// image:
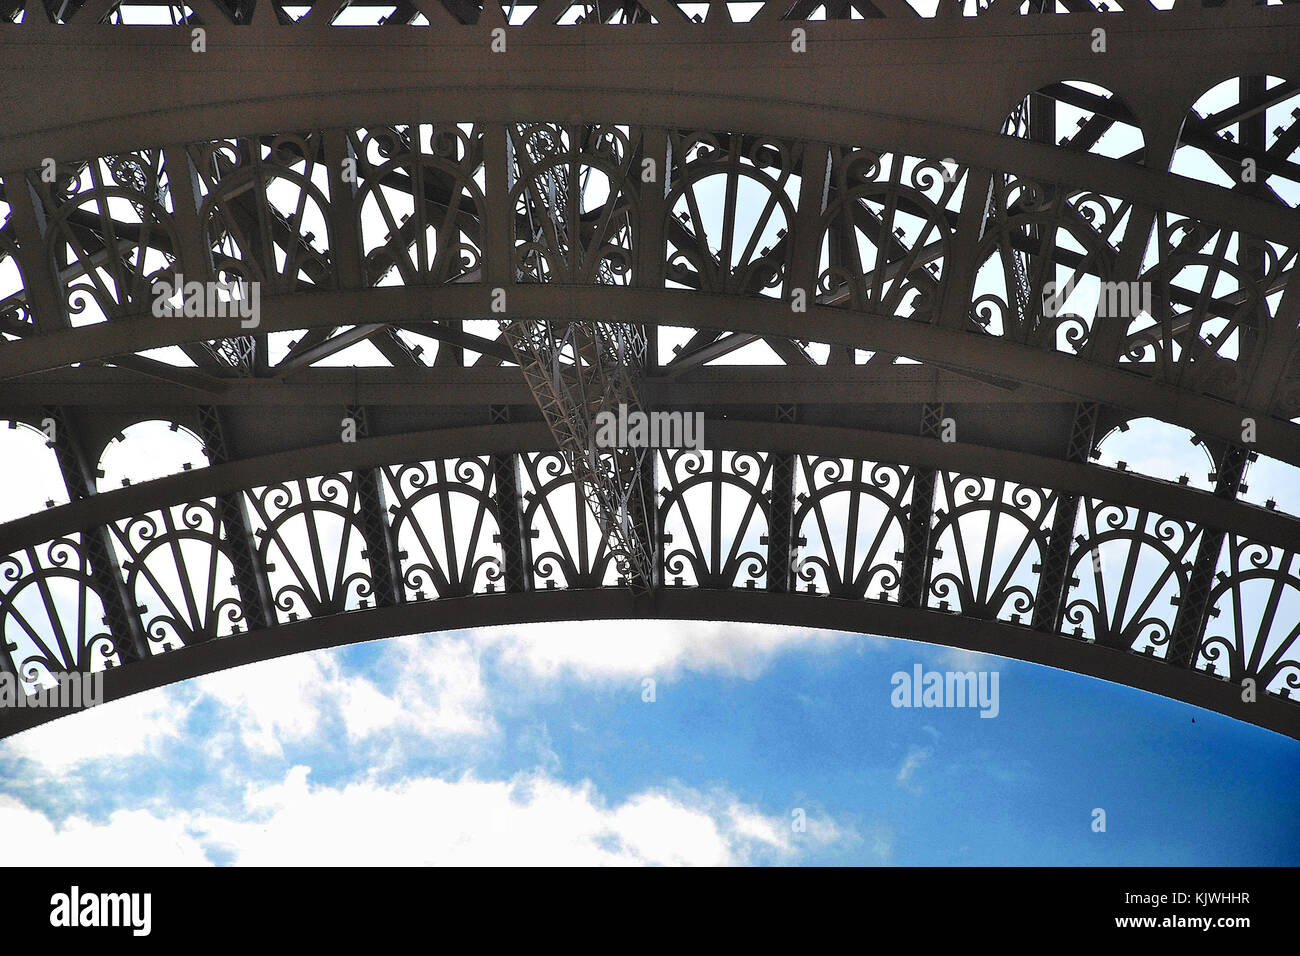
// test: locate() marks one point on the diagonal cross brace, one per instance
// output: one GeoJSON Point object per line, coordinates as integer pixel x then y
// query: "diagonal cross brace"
{"type": "Point", "coordinates": [576, 371]}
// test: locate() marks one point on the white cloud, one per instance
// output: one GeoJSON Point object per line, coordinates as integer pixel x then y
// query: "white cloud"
{"type": "Point", "coordinates": [611, 650]}
{"type": "Point", "coordinates": [438, 688]}
{"type": "Point", "coordinates": [440, 685]}
{"type": "Point", "coordinates": [755, 826]}
{"type": "Point", "coordinates": [431, 686]}
{"type": "Point", "coordinates": [128, 838]}
{"type": "Point", "coordinates": [111, 732]}
{"type": "Point", "coordinates": [915, 759]}
{"type": "Point", "coordinates": [438, 691]}
{"type": "Point", "coordinates": [276, 700]}
{"type": "Point", "coordinates": [531, 819]}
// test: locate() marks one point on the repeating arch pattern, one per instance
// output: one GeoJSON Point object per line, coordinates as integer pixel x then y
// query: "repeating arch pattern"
{"type": "Point", "coordinates": [1214, 292]}
{"type": "Point", "coordinates": [888, 230]}
{"type": "Point", "coordinates": [179, 572]}
{"type": "Point", "coordinates": [819, 280]}
{"type": "Point", "coordinates": [1130, 568]}
{"type": "Point", "coordinates": [311, 545]}
{"type": "Point", "coordinates": [1065, 267]}
{"type": "Point", "coordinates": [714, 517]}
{"type": "Point", "coordinates": [263, 211]}
{"type": "Point", "coordinates": [566, 546]}
{"type": "Point", "coordinates": [419, 205]}
{"type": "Point", "coordinates": [730, 213]}
{"type": "Point", "coordinates": [444, 525]}
{"type": "Point", "coordinates": [111, 233]}
{"type": "Point", "coordinates": [989, 536]}
{"type": "Point", "coordinates": [850, 526]}
{"type": "Point", "coordinates": [51, 615]}
{"type": "Point", "coordinates": [1043, 262]}
{"type": "Point", "coordinates": [573, 188]}
{"type": "Point", "coordinates": [1255, 617]}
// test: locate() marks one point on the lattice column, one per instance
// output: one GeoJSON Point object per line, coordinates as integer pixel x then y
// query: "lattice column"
{"type": "Point", "coordinates": [120, 612]}
{"type": "Point", "coordinates": [250, 575]}
{"type": "Point", "coordinates": [644, 516]}
{"type": "Point", "coordinates": [194, 258]}
{"type": "Point", "coordinates": [1193, 607]}
{"type": "Point", "coordinates": [1106, 340]}
{"type": "Point", "coordinates": [344, 223]}
{"type": "Point", "coordinates": [381, 548]}
{"type": "Point", "coordinates": [499, 237]}
{"type": "Point", "coordinates": [814, 179]}
{"type": "Point", "coordinates": [1054, 569]}
{"type": "Point", "coordinates": [512, 535]}
{"type": "Point", "coordinates": [916, 555]}
{"type": "Point", "coordinates": [576, 371]}
{"type": "Point", "coordinates": [780, 541]}
{"type": "Point", "coordinates": [44, 293]}
{"type": "Point", "coordinates": [652, 205]}
{"type": "Point", "coordinates": [959, 278]}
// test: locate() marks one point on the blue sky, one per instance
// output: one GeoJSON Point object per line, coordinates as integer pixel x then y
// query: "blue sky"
{"type": "Point", "coordinates": [535, 745]}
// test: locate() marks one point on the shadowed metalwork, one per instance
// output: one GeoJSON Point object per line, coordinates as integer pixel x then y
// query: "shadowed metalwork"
{"type": "Point", "coordinates": [914, 304]}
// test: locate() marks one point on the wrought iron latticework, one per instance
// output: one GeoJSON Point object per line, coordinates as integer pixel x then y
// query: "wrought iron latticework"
{"type": "Point", "coordinates": [579, 371]}
{"type": "Point", "coordinates": [917, 314]}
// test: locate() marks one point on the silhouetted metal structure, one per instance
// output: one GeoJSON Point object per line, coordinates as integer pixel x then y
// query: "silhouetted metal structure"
{"type": "Point", "coordinates": [845, 231]}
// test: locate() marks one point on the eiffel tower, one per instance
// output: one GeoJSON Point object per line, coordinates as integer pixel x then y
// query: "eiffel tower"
{"type": "Point", "coordinates": [919, 263]}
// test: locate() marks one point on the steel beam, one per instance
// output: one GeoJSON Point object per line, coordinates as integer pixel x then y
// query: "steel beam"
{"type": "Point", "coordinates": [1054, 568]}
{"type": "Point", "coordinates": [1068, 376]}
{"type": "Point", "coordinates": [250, 575]}
{"type": "Point", "coordinates": [451, 388]}
{"type": "Point", "coordinates": [120, 611]}
{"type": "Point", "coordinates": [1153, 494]}
{"type": "Point", "coordinates": [1194, 603]}
{"type": "Point", "coordinates": [694, 604]}
{"type": "Point", "coordinates": [162, 97]}
{"type": "Point", "coordinates": [918, 555]}
{"type": "Point", "coordinates": [381, 546]}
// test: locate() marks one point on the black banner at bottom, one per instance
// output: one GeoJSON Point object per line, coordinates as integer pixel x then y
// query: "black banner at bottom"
{"type": "Point", "coordinates": [297, 906]}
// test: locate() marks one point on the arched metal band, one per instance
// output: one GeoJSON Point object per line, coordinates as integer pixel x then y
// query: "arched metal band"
{"type": "Point", "coordinates": [1009, 362]}
{"type": "Point", "coordinates": [1023, 487]}
{"type": "Point", "coordinates": [796, 610]}
{"type": "Point", "coordinates": [1125, 488]}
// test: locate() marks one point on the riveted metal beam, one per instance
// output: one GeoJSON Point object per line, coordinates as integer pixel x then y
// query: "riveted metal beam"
{"type": "Point", "coordinates": [250, 575]}
{"type": "Point", "coordinates": [1053, 569]}
{"type": "Point", "coordinates": [381, 546]}
{"type": "Point", "coordinates": [121, 613]}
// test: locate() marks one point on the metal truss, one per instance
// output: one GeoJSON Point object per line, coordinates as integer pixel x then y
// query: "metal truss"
{"type": "Point", "coordinates": [578, 371]}
{"type": "Point", "coordinates": [684, 216]}
{"type": "Point", "coordinates": [717, 521]}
